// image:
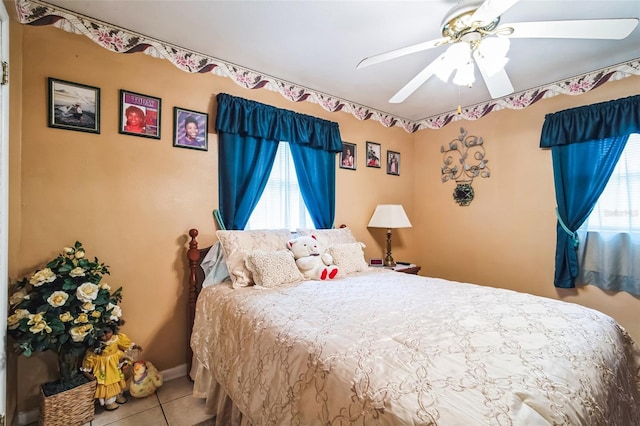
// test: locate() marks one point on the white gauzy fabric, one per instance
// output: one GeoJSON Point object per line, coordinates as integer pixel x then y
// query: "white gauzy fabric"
{"type": "Point", "coordinates": [386, 348]}
{"type": "Point", "coordinates": [610, 260]}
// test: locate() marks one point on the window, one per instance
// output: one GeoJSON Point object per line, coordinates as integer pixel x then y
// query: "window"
{"type": "Point", "coordinates": [281, 205]}
{"type": "Point", "coordinates": [618, 208]}
{"type": "Point", "coordinates": [609, 250]}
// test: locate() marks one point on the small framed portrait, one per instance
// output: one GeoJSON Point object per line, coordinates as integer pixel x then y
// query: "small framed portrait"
{"type": "Point", "coordinates": [393, 163]}
{"type": "Point", "coordinates": [190, 129]}
{"type": "Point", "coordinates": [348, 156]}
{"type": "Point", "coordinates": [74, 106]}
{"type": "Point", "coordinates": [139, 115]}
{"type": "Point", "coordinates": [373, 154]}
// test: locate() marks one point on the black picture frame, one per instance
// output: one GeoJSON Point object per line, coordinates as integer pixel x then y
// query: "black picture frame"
{"type": "Point", "coordinates": [182, 118]}
{"type": "Point", "coordinates": [374, 155]}
{"type": "Point", "coordinates": [349, 156]}
{"type": "Point", "coordinates": [393, 163]}
{"type": "Point", "coordinates": [73, 106]}
{"type": "Point", "coordinates": [132, 105]}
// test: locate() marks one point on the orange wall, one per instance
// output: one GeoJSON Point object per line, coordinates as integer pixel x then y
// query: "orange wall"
{"type": "Point", "coordinates": [506, 236]}
{"type": "Point", "coordinates": [132, 200]}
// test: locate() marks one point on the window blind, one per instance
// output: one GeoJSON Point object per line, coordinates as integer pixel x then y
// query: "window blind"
{"type": "Point", "coordinates": [618, 208]}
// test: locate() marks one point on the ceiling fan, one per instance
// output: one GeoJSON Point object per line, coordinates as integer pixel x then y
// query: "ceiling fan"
{"type": "Point", "coordinates": [472, 31]}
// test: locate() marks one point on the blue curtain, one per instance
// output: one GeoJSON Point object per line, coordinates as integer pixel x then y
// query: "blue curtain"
{"type": "Point", "coordinates": [244, 165]}
{"type": "Point", "coordinates": [316, 172]}
{"type": "Point", "coordinates": [248, 137]}
{"type": "Point", "coordinates": [586, 143]}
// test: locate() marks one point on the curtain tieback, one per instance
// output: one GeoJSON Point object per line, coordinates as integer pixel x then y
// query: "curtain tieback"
{"type": "Point", "coordinates": [573, 235]}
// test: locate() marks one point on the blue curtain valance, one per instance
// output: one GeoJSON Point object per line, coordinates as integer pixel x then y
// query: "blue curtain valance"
{"type": "Point", "coordinates": [249, 118]}
{"type": "Point", "coordinates": [604, 120]}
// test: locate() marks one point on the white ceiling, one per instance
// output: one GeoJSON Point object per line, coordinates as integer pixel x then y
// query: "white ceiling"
{"type": "Point", "coordinates": [317, 44]}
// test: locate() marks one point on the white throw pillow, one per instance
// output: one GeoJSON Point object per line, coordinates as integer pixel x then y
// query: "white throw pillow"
{"type": "Point", "coordinates": [327, 237]}
{"type": "Point", "coordinates": [273, 268]}
{"type": "Point", "coordinates": [238, 244]}
{"type": "Point", "coordinates": [349, 258]}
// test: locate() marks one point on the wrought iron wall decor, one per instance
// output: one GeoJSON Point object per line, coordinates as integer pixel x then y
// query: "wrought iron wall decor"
{"type": "Point", "coordinates": [469, 152]}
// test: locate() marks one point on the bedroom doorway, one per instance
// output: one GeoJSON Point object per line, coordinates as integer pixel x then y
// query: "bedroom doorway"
{"type": "Point", "coordinates": [4, 210]}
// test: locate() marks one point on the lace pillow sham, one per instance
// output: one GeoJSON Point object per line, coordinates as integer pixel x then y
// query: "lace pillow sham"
{"type": "Point", "coordinates": [273, 268]}
{"type": "Point", "coordinates": [327, 237]}
{"type": "Point", "coordinates": [348, 257]}
{"type": "Point", "coordinates": [238, 244]}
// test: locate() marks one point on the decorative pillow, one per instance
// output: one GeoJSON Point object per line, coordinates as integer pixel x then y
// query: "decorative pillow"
{"type": "Point", "coordinates": [273, 268]}
{"type": "Point", "coordinates": [327, 237]}
{"type": "Point", "coordinates": [238, 244]}
{"type": "Point", "coordinates": [348, 257]}
{"type": "Point", "coordinates": [214, 266]}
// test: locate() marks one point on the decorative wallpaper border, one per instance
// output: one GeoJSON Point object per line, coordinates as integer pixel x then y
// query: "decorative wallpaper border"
{"type": "Point", "coordinates": [120, 40]}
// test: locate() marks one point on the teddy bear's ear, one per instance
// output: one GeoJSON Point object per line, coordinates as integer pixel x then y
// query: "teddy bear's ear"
{"type": "Point", "coordinates": [289, 243]}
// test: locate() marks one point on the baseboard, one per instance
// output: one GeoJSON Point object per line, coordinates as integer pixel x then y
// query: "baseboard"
{"type": "Point", "coordinates": [174, 373]}
{"type": "Point", "coordinates": [32, 416]}
{"type": "Point", "coordinates": [24, 418]}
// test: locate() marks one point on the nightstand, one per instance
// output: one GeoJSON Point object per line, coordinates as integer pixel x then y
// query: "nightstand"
{"type": "Point", "coordinates": [407, 269]}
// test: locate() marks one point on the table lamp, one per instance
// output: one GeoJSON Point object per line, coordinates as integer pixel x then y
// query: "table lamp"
{"type": "Point", "coordinates": [389, 216]}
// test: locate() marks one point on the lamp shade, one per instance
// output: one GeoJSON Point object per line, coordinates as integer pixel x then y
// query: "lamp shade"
{"type": "Point", "coordinates": [389, 216]}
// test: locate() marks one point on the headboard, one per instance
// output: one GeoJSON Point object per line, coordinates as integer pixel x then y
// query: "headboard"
{"type": "Point", "coordinates": [194, 285]}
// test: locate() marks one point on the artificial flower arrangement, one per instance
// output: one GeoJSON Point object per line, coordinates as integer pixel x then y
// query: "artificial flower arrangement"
{"type": "Point", "coordinates": [63, 307]}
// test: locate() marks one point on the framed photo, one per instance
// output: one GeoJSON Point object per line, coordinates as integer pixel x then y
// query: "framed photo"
{"type": "Point", "coordinates": [190, 129]}
{"type": "Point", "coordinates": [139, 115]}
{"type": "Point", "coordinates": [74, 106]}
{"type": "Point", "coordinates": [348, 157]}
{"type": "Point", "coordinates": [373, 154]}
{"type": "Point", "coordinates": [393, 163]}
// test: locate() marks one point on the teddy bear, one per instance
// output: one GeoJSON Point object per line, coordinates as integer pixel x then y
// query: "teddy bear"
{"type": "Point", "coordinates": [145, 379]}
{"type": "Point", "coordinates": [313, 264]}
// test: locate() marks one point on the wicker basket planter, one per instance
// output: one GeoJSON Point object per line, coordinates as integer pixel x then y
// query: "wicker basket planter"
{"type": "Point", "coordinates": [73, 407]}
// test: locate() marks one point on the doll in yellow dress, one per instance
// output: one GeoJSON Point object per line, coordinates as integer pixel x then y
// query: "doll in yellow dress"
{"type": "Point", "coordinates": [104, 364]}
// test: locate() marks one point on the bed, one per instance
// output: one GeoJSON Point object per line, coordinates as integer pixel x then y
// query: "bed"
{"type": "Point", "coordinates": [378, 347]}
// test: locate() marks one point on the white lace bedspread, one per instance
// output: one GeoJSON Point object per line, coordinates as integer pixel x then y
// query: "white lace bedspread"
{"type": "Point", "coordinates": [389, 348]}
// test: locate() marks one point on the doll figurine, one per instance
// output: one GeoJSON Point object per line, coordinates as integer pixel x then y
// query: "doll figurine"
{"type": "Point", "coordinates": [104, 364]}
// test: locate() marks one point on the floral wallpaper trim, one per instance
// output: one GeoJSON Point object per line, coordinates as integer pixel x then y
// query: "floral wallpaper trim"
{"type": "Point", "coordinates": [120, 40]}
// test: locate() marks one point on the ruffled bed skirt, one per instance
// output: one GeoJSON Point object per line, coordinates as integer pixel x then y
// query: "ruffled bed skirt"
{"type": "Point", "coordinates": [216, 399]}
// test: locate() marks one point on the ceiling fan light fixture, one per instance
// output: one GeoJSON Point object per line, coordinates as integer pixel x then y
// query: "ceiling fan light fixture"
{"type": "Point", "coordinates": [459, 20]}
{"type": "Point", "coordinates": [442, 69]}
{"type": "Point", "coordinates": [456, 56]}
{"type": "Point", "coordinates": [471, 30]}
{"type": "Point", "coordinates": [492, 54]}
{"type": "Point", "coordinates": [465, 75]}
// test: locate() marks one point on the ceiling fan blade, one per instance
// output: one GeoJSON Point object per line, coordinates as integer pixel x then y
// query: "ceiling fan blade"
{"type": "Point", "coordinates": [491, 9]}
{"type": "Point", "coordinates": [416, 81]}
{"type": "Point", "coordinates": [497, 82]}
{"type": "Point", "coordinates": [614, 29]}
{"type": "Point", "coordinates": [393, 54]}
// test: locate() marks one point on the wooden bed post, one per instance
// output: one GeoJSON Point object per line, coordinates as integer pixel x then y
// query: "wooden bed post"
{"type": "Point", "coordinates": [193, 254]}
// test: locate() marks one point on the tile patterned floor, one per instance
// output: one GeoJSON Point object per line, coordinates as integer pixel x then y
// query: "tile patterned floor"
{"type": "Point", "coordinates": [172, 405]}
